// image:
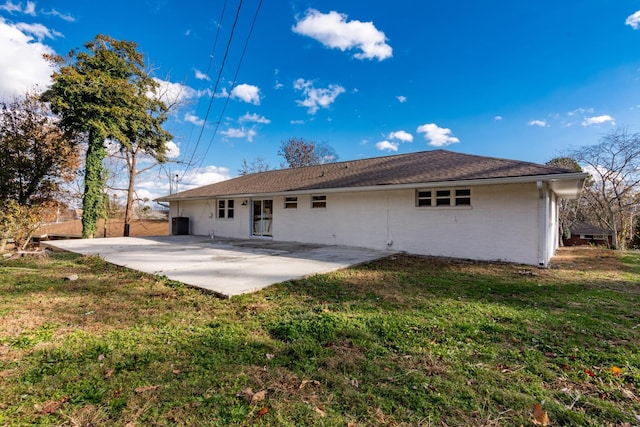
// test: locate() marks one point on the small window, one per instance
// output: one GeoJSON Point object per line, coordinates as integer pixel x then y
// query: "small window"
{"type": "Point", "coordinates": [463, 197]}
{"type": "Point", "coordinates": [290, 202]}
{"type": "Point", "coordinates": [318, 201]}
{"type": "Point", "coordinates": [225, 209]}
{"type": "Point", "coordinates": [443, 198]}
{"type": "Point", "coordinates": [424, 198]}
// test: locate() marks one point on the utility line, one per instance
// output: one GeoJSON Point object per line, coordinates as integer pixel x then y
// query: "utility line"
{"type": "Point", "coordinates": [235, 77]}
{"type": "Point", "coordinates": [215, 88]}
{"type": "Point", "coordinates": [211, 56]}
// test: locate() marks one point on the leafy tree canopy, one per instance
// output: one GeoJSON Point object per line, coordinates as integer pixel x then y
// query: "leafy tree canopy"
{"type": "Point", "coordinates": [35, 156]}
{"type": "Point", "coordinates": [104, 92]}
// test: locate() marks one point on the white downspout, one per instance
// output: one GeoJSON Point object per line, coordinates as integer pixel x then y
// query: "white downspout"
{"type": "Point", "coordinates": [542, 227]}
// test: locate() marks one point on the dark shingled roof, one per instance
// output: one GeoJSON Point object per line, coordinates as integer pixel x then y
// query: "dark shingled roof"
{"type": "Point", "coordinates": [413, 168]}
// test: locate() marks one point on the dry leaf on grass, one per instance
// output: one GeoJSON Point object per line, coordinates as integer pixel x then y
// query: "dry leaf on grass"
{"type": "Point", "coordinates": [540, 416]}
{"type": "Point", "coordinates": [108, 374]}
{"type": "Point", "coordinates": [320, 412]}
{"type": "Point", "coordinates": [146, 388]}
{"type": "Point", "coordinates": [252, 397]}
{"type": "Point", "coordinates": [616, 371]}
{"type": "Point", "coordinates": [259, 396]}
{"type": "Point", "coordinates": [304, 383]}
{"type": "Point", "coordinates": [52, 406]}
{"type": "Point", "coordinates": [262, 412]}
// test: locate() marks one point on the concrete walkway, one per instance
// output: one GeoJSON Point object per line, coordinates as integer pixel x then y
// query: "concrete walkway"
{"type": "Point", "coordinates": [226, 267]}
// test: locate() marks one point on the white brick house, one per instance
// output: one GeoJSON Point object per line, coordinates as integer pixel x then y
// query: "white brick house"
{"type": "Point", "coordinates": [431, 203]}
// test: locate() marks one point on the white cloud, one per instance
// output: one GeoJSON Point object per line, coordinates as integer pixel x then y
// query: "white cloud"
{"type": "Point", "coordinates": [539, 123]}
{"type": "Point", "coordinates": [240, 133]}
{"type": "Point", "coordinates": [316, 98]}
{"type": "Point", "coordinates": [247, 93]}
{"type": "Point", "coordinates": [597, 120]}
{"type": "Point", "coordinates": [174, 93]}
{"type": "Point", "coordinates": [402, 99]}
{"type": "Point", "coordinates": [579, 111]}
{"type": "Point", "coordinates": [437, 136]}
{"type": "Point", "coordinates": [296, 122]}
{"type": "Point", "coordinates": [30, 9]}
{"type": "Point", "coordinates": [200, 75]}
{"type": "Point", "coordinates": [173, 151]}
{"type": "Point", "coordinates": [22, 66]}
{"type": "Point", "coordinates": [401, 136]}
{"type": "Point", "coordinates": [38, 30]}
{"type": "Point", "coordinates": [633, 20]}
{"type": "Point", "coordinates": [63, 16]}
{"type": "Point", "coordinates": [387, 146]}
{"type": "Point", "coordinates": [498, 118]}
{"type": "Point", "coordinates": [204, 176]}
{"type": "Point", "coordinates": [11, 7]}
{"type": "Point", "coordinates": [278, 85]}
{"type": "Point", "coordinates": [192, 118]}
{"type": "Point", "coordinates": [254, 118]}
{"type": "Point", "coordinates": [152, 186]}
{"type": "Point", "coordinates": [332, 30]}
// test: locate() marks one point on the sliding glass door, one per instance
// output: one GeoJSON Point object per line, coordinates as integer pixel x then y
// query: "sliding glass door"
{"type": "Point", "coordinates": [262, 218]}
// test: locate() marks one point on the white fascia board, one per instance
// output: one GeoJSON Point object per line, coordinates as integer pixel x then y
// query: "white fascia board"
{"type": "Point", "coordinates": [578, 178]}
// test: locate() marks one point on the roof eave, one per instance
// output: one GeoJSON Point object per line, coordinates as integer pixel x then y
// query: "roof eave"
{"type": "Point", "coordinates": [567, 185]}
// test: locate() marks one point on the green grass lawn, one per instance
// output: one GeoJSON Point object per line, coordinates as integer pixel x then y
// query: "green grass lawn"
{"type": "Point", "coordinates": [402, 341]}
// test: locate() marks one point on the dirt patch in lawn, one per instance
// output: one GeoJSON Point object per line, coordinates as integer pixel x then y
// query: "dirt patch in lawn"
{"type": "Point", "coordinates": [115, 228]}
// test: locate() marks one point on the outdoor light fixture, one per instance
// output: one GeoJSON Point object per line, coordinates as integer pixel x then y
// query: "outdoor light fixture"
{"type": "Point", "coordinates": [245, 203]}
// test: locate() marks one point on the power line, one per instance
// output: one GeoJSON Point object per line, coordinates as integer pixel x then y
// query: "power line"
{"type": "Point", "coordinates": [215, 88]}
{"type": "Point", "coordinates": [211, 56]}
{"type": "Point", "coordinates": [235, 77]}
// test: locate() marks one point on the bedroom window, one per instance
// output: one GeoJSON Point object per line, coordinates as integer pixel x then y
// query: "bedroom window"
{"type": "Point", "coordinates": [318, 202]}
{"type": "Point", "coordinates": [424, 198]}
{"type": "Point", "coordinates": [290, 202]}
{"type": "Point", "coordinates": [225, 209]}
{"type": "Point", "coordinates": [443, 197]}
{"type": "Point", "coordinates": [463, 197]}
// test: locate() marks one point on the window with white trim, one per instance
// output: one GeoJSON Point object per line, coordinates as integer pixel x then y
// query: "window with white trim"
{"type": "Point", "coordinates": [225, 208]}
{"type": "Point", "coordinates": [423, 198]}
{"type": "Point", "coordinates": [291, 202]}
{"type": "Point", "coordinates": [445, 197]}
{"type": "Point", "coordinates": [318, 201]}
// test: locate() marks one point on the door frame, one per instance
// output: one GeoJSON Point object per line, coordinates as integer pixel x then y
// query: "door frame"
{"type": "Point", "coordinates": [261, 225]}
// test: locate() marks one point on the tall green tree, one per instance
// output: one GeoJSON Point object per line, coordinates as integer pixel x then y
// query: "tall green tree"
{"type": "Point", "coordinates": [102, 92]}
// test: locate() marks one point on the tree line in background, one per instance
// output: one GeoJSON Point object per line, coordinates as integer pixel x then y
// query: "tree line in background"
{"type": "Point", "coordinates": [102, 96]}
{"type": "Point", "coordinates": [611, 196]}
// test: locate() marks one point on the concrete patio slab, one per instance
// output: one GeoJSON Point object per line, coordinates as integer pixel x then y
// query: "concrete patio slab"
{"type": "Point", "coordinates": [227, 267]}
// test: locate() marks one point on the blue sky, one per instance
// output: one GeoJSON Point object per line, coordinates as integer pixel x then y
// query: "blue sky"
{"type": "Point", "coordinates": [521, 80]}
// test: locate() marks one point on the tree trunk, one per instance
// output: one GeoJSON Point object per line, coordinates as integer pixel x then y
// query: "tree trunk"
{"type": "Point", "coordinates": [128, 213]}
{"type": "Point", "coordinates": [614, 232]}
{"type": "Point", "coordinates": [93, 186]}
